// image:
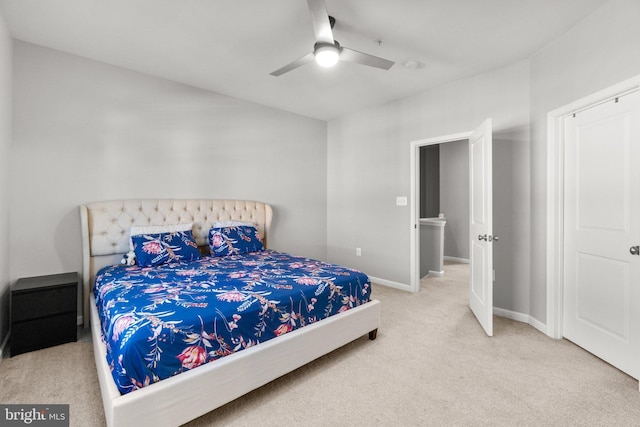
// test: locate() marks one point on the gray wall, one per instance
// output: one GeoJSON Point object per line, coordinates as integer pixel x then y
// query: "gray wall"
{"type": "Point", "coordinates": [6, 61]}
{"type": "Point", "coordinates": [369, 163]}
{"type": "Point", "coordinates": [601, 51]}
{"type": "Point", "coordinates": [454, 197]}
{"type": "Point", "coordinates": [77, 121]}
{"type": "Point", "coordinates": [429, 181]}
{"type": "Point", "coordinates": [86, 131]}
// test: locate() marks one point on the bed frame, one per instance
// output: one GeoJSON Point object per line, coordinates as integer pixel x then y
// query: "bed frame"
{"type": "Point", "coordinates": [177, 400]}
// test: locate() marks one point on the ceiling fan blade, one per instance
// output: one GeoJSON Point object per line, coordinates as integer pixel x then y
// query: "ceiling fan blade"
{"type": "Point", "coordinates": [295, 64]}
{"type": "Point", "coordinates": [351, 55]}
{"type": "Point", "coordinates": [320, 20]}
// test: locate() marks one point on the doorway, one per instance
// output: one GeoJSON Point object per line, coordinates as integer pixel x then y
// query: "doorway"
{"type": "Point", "coordinates": [480, 218]}
{"type": "Point", "coordinates": [444, 205]}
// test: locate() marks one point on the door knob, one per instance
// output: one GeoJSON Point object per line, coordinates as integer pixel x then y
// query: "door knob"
{"type": "Point", "coordinates": [635, 250]}
{"type": "Point", "coordinates": [482, 237]}
{"type": "Point", "coordinates": [494, 238]}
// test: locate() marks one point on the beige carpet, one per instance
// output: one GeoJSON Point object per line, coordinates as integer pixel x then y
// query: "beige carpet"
{"type": "Point", "coordinates": [431, 365]}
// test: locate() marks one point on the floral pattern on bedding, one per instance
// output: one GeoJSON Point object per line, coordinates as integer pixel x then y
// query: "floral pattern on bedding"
{"type": "Point", "coordinates": [160, 321]}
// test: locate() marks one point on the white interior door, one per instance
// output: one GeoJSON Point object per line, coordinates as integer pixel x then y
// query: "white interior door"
{"type": "Point", "coordinates": [602, 232]}
{"type": "Point", "coordinates": [481, 226]}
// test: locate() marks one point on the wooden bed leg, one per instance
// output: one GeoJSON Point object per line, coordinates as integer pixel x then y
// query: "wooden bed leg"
{"type": "Point", "coordinates": [373, 334]}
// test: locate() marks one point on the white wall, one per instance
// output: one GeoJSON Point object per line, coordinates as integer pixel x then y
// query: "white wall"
{"type": "Point", "coordinates": [601, 51]}
{"type": "Point", "coordinates": [368, 166]}
{"type": "Point", "coordinates": [85, 131]}
{"type": "Point", "coordinates": [454, 197]}
{"type": "Point", "coordinates": [6, 60]}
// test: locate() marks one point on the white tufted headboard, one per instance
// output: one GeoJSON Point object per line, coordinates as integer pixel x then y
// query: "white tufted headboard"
{"type": "Point", "coordinates": [105, 226]}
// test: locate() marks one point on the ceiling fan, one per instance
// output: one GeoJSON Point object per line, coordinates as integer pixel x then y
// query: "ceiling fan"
{"type": "Point", "coordinates": [326, 50]}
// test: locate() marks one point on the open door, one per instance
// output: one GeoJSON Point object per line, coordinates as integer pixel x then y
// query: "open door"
{"type": "Point", "coordinates": [481, 226]}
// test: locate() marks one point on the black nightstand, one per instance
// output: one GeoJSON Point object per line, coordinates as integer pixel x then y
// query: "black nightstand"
{"type": "Point", "coordinates": [43, 312]}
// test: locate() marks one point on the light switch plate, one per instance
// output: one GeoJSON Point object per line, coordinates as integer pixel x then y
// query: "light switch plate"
{"type": "Point", "coordinates": [401, 201]}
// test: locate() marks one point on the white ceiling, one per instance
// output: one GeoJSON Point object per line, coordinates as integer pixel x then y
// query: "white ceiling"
{"type": "Point", "coordinates": [231, 46]}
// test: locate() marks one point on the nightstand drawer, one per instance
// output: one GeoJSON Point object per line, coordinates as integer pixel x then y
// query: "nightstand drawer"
{"type": "Point", "coordinates": [41, 303]}
{"type": "Point", "coordinates": [41, 333]}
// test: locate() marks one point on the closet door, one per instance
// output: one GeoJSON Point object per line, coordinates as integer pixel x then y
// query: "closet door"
{"type": "Point", "coordinates": [602, 232]}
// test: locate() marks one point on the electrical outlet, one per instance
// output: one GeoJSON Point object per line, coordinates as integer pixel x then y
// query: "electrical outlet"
{"type": "Point", "coordinates": [358, 252]}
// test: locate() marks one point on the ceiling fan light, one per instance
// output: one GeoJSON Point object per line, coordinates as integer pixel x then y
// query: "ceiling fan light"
{"type": "Point", "coordinates": [327, 55]}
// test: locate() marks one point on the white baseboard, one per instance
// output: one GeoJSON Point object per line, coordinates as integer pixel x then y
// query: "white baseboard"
{"type": "Point", "coordinates": [539, 325]}
{"type": "Point", "coordinates": [520, 317]}
{"type": "Point", "coordinates": [432, 273]}
{"type": "Point", "coordinates": [389, 283]}
{"type": "Point", "coordinates": [3, 346]}
{"type": "Point", "coordinates": [454, 259]}
{"type": "Point", "coordinates": [501, 312]}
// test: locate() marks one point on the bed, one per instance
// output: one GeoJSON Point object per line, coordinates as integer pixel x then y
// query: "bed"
{"type": "Point", "coordinates": [200, 389]}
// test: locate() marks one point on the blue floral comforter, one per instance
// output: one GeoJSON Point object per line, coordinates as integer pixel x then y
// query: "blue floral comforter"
{"type": "Point", "coordinates": [159, 321]}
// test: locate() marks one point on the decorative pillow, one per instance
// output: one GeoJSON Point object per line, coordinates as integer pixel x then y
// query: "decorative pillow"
{"type": "Point", "coordinates": [237, 240]}
{"type": "Point", "coordinates": [155, 249]}
{"type": "Point", "coordinates": [136, 230]}
{"type": "Point", "coordinates": [220, 224]}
